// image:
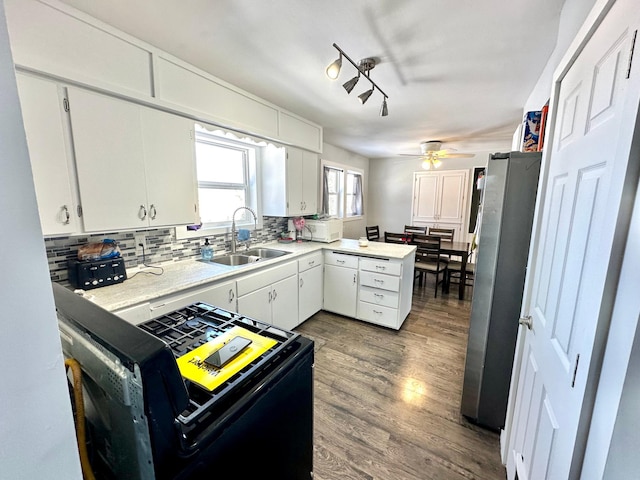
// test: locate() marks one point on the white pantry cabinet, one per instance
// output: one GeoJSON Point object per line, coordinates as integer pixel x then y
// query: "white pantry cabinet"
{"type": "Point", "coordinates": [439, 200]}
{"type": "Point", "coordinates": [290, 182]}
{"type": "Point", "coordinates": [340, 283]}
{"type": "Point", "coordinates": [310, 275]}
{"type": "Point", "coordinates": [271, 295]}
{"type": "Point", "coordinates": [45, 122]}
{"type": "Point", "coordinates": [135, 166]}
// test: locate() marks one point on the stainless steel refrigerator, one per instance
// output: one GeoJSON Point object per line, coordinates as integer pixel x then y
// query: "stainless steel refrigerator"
{"type": "Point", "coordinates": [507, 205]}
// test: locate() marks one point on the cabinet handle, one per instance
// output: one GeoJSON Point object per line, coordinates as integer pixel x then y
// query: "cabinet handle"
{"type": "Point", "coordinates": [231, 295]}
{"type": "Point", "coordinates": [142, 211]}
{"type": "Point", "coordinates": [379, 295]}
{"type": "Point", "coordinates": [377, 312]}
{"type": "Point", "coordinates": [301, 283]}
{"type": "Point", "coordinates": [269, 296]}
{"type": "Point", "coordinates": [380, 267]}
{"type": "Point", "coordinates": [275, 295]}
{"type": "Point", "coordinates": [152, 212]}
{"type": "Point", "coordinates": [67, 217]}
{"type": "Point", "coordinates": [378, 281]}
{"type": "Point", "coordinates": [340, 261]}
{"type": "Point", "coordinates": [312, 262]}
{"type": "Point", "coordinates": [354, 278]}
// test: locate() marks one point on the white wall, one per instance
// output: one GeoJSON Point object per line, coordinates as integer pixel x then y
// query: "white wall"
{"type": "Point", "coordinates": [331, 153]}
{"type": "Point", "coordinates": [573, 15]}
{"type": "Point", "coordinates": [37, 437]}
{"type": "Point", "coordinates": [391, 187]}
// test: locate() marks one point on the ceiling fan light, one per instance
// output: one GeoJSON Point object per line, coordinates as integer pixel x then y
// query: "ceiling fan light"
{"type": "Point", "coordinates": [383, 110]}
{"type": "Point", "coordinates": [333, 70]}
{"type": "Point", "coordinates": [349, 84]}
{"type": "Point", "coordinates": [436, 162]}
{"type": "Point", "coordinates": [426, 164]}
{"type": "Point", "coordinates": [365, 96]}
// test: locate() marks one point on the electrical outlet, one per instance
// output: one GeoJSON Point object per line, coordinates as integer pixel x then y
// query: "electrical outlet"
{"type": "Point", "coordinates": [140, 238]}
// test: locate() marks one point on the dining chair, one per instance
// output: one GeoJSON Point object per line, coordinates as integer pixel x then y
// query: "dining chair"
{"type": "Point", "coordinates": [454, 270]}
{"type": "Point", "coordinates": [390, 237]}
{"type": "Point", "coordinates": [373, 233]}
{"type": "Point", "coordinates": [428, 259]}
{"type": "Point", "coordinates": [445, 233]}
{"type": "Point", "coordinates": [415, 229]}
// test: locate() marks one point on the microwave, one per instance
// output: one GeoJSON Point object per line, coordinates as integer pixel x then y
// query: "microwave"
{"type": "Point", "coordinates": [327, 230]}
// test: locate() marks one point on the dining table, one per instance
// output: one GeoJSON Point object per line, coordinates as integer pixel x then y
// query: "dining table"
{"type": "Point", "coordinates": [460, 249]}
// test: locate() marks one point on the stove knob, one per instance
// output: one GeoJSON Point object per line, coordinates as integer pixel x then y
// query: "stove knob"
{"type": "Point", "coordinates": [95, 282]}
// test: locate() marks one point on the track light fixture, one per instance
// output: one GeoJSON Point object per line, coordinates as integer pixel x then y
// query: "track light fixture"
{"type": "Point", "coordinates": [364, 67]}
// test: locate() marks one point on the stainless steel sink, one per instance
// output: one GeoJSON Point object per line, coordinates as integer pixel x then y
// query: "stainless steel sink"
{"type": "Point", "coordinates": [246, 257]}
{"type": "Point", "coordinates": [265, 252]}
{"type": "Point", "coordinates": [234, 259]}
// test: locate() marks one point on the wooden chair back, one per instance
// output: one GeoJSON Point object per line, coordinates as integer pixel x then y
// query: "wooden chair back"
{"type": "Point", "coordinates": [415, 229]}
{"type": "Point", "coordinates": [428, 248]}
{"type": "Point", "coordinates": [373, 233]}
{"type": "Point", "coordinates": [445, 233]}
{"type": "Point", "coordinates": [390, 237]}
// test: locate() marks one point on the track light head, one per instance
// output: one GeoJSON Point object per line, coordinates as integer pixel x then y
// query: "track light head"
{"type": "Point", "coordinates": [333, 70]}
{"type": "Point", "coordinates": [349, 84]}
{"type": "Point", "coordinates": [365, 96]}
{"type": "Point", "coordinates": [383, 110]}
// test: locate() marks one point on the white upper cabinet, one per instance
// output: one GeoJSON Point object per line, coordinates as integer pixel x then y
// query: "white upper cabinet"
{"type": "Point", "coordinates": [289, 182]}
{"type": "Point", "coordinates": [135, 166]}
{"type": "Point", "coordinates": [49, 151]}
{"type": "Point", "coordinates": [170, 168]}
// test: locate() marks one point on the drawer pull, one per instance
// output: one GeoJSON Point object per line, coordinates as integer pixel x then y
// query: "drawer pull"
{"type": "Point", "coordinates": [377, 280]}
{"type": "Point", "coordinates": [377, 312]}
{"type": "Point", "coordinates": [339, 261]}
{"type": "Point", "coordinates": [379, 295]}
{"type": "Point", "coordinates": [312, 262]}
{"type": "Point", "coordinates": [380, 267]}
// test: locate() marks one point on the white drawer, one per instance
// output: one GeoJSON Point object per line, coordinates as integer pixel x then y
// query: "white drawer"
{"type": "Point", "coordinates": [385, 316]}
{"type": "Point", "coordinates": [310, 261]}
{"type": "Point", "coordinates": [379, 297]}
{"type": "Point", "coordinates": [381, 266]}
{"type": "Point", "coordinates": [341, 260]}
{"type": "Point", "coordinates": [376, 280]}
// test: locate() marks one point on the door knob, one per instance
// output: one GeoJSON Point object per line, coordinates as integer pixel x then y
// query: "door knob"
{"type": "Point", "coordinates": [527, 321]}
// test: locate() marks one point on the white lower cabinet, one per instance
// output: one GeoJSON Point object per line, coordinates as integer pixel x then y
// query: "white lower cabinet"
{"type": "Point", "coordinates": [136, 314]}
{"type": "Point", "coordinates": [271, 295]}
{"type": "Point", "coordinates": [221, 295]}
{"type": "Point", "coordinates": [340, 283]}
{"type": "Point", "coordinates": [309, 286]}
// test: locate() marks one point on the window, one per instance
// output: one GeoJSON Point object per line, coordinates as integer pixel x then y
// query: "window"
{"type": "Point", "coordinates": [342, 195]}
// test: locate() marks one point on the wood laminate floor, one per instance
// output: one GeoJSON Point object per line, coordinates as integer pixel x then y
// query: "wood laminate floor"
{"type": "Point", "coordinates": [387, 403]}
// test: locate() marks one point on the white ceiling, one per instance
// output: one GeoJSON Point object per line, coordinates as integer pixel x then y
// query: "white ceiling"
{"type": "Point", "coordinates": [457, 71]}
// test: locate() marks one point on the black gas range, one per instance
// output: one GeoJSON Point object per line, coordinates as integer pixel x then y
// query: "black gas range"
{"type": "Point", "coordinates": [146, 421]}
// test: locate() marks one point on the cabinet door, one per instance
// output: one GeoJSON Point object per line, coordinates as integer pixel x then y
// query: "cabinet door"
{"type": "Point", "coordinates": [310, 293]}
{"type": "Point", "coordinates": [452, 196]}
{"type": "Point", "coordinates": [170, 168]}
{"type": "Point", "coordinates": [107, 138]}
{"type": "Point", "coordinates": [340, 290]}
{"type": "Point", "coordinates": [256, 304]}
{"type": "Point", "coordinates": [44, 123]}
{"type": "Point", "coordinates": [294, 174]}
{"type": "Point", "coordinates": [310, 184]}
{"type": "Point", "coordinates": [284, 303]}
{"type": "Point", "coordinates": [223, 296]}
{"type": "Point", "coordinates": [425, 198]}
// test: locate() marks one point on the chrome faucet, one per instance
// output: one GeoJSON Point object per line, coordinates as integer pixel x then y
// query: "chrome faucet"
{"type": "Point", "coordinates": [233, 226]}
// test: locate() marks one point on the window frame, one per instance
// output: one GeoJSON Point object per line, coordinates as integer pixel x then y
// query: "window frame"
{"type": "Point", "coordinates": [252, 153]}
{"type": "Point", "coordinates": [346, 170]}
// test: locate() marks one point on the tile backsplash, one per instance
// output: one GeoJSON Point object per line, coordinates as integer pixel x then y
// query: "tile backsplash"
{"type": "Point", "coordinates": [162, 245]}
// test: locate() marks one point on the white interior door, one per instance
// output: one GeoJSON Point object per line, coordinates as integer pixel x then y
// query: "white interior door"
{"type": "Point", "coordinates": [573, 260]}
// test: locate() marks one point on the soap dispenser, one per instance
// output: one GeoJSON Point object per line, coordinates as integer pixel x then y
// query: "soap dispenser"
{"type": "Point", "coordinates": [206, 250]}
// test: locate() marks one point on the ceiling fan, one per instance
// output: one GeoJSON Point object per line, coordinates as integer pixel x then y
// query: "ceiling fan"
{"type": "Point", "coordinates": [431, 153]}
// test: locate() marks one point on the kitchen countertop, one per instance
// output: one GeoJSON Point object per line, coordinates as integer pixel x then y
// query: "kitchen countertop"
{"type": "Point", "coordinates": [191, 273]}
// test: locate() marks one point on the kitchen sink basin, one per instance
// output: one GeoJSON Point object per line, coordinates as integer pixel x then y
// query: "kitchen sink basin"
{"type": "Point", "coordinates": [264, 252]}
{"type": "Point", "coordinates": [246, 257]}
{"type": "Point", "coordinates": [234, 259]}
